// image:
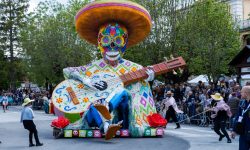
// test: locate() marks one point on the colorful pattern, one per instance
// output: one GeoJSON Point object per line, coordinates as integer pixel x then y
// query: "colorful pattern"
{"type": "Point", "coordinates": [133, 16]}
{"type": "Point", "coordinates": [141, 102]}
{"type": "Point", "coordinates": [112, 37]}
{"type": "Point", "coordinates": [112, 42]}
{"type": "Point", "coordinates": [119, 133]}
{"type": "Point", "coordinates": [113, 3]}
{"type": "Point", "coordinates": [85, 95]}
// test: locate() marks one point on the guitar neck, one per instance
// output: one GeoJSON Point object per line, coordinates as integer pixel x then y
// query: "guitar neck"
{"type": "Point", "coordinates": [158, 69]}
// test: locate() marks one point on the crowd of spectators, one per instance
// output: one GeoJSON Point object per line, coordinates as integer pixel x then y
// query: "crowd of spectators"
{"type": "Point", "coordinates": [16, 97]}
{"type": "Point", "coordinates": [195, 100]}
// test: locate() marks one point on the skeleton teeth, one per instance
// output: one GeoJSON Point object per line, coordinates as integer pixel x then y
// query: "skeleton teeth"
{"type": "Point", "coordinates": [112, 58]}
{"type": "Point", "coordinates": [112, 53]}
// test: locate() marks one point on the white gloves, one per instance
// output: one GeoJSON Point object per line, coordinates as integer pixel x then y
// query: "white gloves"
{"type": "Point", "coordinates": [88, 82]}
{"type": "Point", "coordinates": [151, 75]}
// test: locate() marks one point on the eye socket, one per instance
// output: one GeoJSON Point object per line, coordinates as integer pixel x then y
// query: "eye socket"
{"type": "Point", "coordinates": [106, 40]}
{"type": "Point", "coordinates": [119, 41]}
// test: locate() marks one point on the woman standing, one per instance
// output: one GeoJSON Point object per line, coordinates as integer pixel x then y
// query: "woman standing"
{"type": "Point", "coordinates": [27, 116]}
{"type": "Point", "coordinates": [4, 102]}
{"type": "Point", "coordinates": [222, 112]}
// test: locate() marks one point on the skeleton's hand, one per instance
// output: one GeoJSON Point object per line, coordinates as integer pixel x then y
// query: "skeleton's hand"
{"type": "Point", "coordinates": [151, 74]}
{"type": "Point", "coordinates": [88, 82]}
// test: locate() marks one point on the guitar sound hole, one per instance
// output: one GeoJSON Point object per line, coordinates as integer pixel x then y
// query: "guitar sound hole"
{"type": "Point", "coordinates": [101, 85]}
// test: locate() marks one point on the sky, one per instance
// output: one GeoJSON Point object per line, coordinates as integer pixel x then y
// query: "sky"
{"type": "Point", "coordinates": [34, 3]}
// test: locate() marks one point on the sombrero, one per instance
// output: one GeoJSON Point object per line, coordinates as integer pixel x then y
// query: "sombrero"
{"type": "Point", "coordinates": [217, 97]}
{"type": "Point", "coordinates": [26, 101]}
{"type": "Point", "coordinates": [132, 15]}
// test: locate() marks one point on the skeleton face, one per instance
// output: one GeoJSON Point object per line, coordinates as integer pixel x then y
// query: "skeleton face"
{"type": "Point", "coordinates": [75, 132]}
{"type": "Point", "coordinates": [112, 41]}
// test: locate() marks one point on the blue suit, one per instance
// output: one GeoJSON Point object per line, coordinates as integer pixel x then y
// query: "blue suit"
{"type": "Point", "coordinates": [244, 141]}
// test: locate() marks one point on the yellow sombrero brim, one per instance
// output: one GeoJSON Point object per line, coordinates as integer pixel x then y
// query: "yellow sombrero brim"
{"type": "Point", "coordinates": [27, 102]}
{"type": "Point", "coordinates": [133, 16]}
{"type": "Point", "coordinates": [217, 98]}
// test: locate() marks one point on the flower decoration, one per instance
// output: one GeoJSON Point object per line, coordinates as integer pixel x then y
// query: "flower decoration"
{"type": "Point", "coordinates": [85, 99]}
{"type": "Point", "coordinates": [80, 86]}
{"type": "Point", "coordinates": [59, 100]}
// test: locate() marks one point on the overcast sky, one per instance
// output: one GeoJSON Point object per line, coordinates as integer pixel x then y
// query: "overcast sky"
{"type": "Point", "coordinates": [34, 3]}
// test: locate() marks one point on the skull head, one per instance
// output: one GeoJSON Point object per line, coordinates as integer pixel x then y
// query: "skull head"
{"type": "Point", "coordinates": [112, 41]}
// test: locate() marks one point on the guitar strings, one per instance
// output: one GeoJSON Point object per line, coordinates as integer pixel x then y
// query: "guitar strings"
{"type": "Point", "coordinates": [90, 89]}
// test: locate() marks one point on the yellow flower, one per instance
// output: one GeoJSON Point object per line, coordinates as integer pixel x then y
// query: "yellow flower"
{"type": "Point", "coordinates": [80, 86]}
{"type": "Point", "coordinates": [59, 100]}
{"type": "Point", "coordinates": [85, 99]}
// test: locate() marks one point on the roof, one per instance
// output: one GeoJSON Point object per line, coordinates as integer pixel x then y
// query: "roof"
{"type": "Point", "coordinates": [238, 58]}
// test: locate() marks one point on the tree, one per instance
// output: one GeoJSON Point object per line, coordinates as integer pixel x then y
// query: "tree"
{"type": "Point", "coordinates": [208, 38]}
{"type": "Point", "coordinates": [161, 42]}
{"type": "Point", "coordinates": [3, 72]}
{"type": "Point", "coordinates": [12, 19]}
{"type": "Point", "coordinates": [51, 42]}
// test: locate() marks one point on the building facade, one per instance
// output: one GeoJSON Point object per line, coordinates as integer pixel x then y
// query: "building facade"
{"type": "Point", "coordinates": [240, 9]}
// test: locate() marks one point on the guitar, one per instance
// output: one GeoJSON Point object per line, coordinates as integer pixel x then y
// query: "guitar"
{"type": "Point", "coordinates": [71, 96]}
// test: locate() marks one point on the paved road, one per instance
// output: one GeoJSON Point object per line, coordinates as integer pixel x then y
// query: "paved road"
{"type": "Point", "coordinates": [201, 138]}
{"type": "Point", "coordinates": [14, 137]}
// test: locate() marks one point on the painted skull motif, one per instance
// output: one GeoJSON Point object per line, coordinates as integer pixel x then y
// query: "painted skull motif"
{"type": "Point", "coordinates": [112, 41]}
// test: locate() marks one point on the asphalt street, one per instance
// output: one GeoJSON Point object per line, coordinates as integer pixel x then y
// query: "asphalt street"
{"type": "Point", "coordinates": [15, 137]}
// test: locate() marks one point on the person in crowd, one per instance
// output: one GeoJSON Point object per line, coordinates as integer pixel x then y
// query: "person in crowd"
{"type": "Point", "coordinates": [199, 85]}
{"type": "Point", "coordinates": [233, 103]}
{"type": "Point", "coordinates": [160, 94]}
{"type": "Point", "coordinates": [20, 97]}
{"type": "Point", "coordinates": [190, 103]}
{"type": "Point", "coordinates": [177, 93]}
{"type": "Point", "coordinates": [222, 112]}
{"type": "Point", "coordinates": [46, 103]}
{"type": "Point", "coordinates": [200, 102]}
{"type": "Point", "coordinates": [4, 102]}
{"type": "Point", "coordinates": [237, 90]}
{"type": "Point", "coordinates": [170, 109]}
{"type": "Point", "coordinates": [210, 91]}
{"type": "Point", "coordinates": [187, 89]}
{"type": "Point", "coordinates": [167, 88]}
{"type": "Point", "coordinates": [243, 116]}
{"type": "Point", "coordinates": [27, 116]}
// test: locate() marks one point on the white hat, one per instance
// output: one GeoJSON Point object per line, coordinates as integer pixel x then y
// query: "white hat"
{"type": "Point", "coordinates": [169, 93]}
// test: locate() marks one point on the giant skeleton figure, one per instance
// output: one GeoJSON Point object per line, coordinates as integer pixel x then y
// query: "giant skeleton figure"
{"type": "Point", "coordinates": [128, 107]}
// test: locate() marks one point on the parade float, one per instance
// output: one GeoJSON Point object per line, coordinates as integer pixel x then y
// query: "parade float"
{"type": "Point", "coordinates": [111, 96]}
